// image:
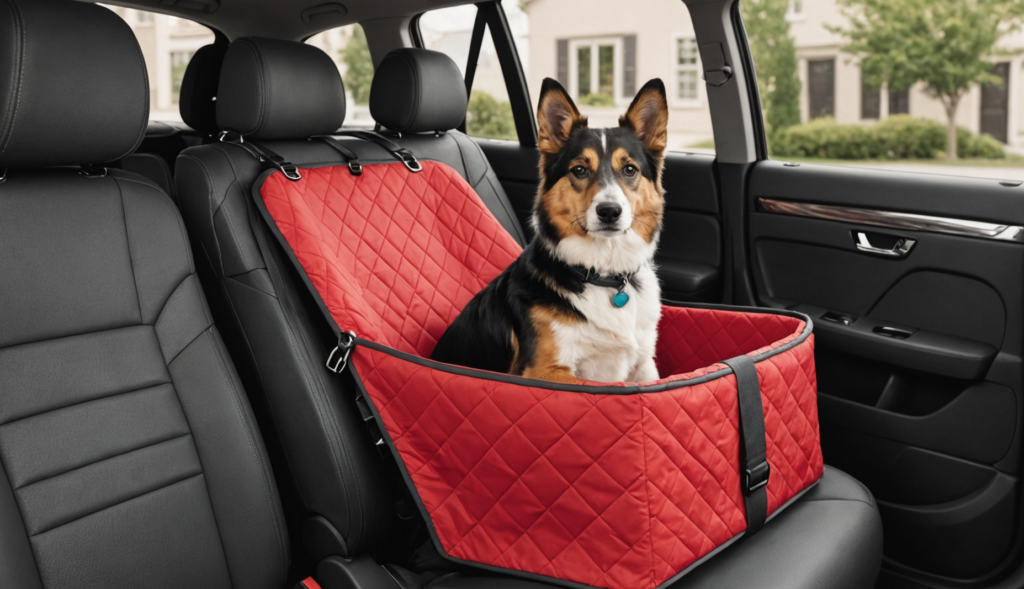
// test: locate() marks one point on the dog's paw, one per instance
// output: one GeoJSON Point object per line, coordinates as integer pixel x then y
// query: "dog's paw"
{"type": "Point", "coordinates": [646, 371]}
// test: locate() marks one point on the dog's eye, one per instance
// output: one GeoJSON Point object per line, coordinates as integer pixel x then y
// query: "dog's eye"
{"type": "Point", "coordinates": [629, 170]}
{"type": "Point", "coordinates": [579, 171]}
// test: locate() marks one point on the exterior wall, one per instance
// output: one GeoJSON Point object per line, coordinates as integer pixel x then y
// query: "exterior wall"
{"type": "Point", "coordinates": [814, 41]}
{"type": "Point", "coordinates": [159, 37]}
{"type": "Point", "coordinates": [656, 23]}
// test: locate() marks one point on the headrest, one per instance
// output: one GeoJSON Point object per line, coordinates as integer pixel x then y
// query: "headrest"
{"type": "Point", "coordinates": [416, 90]}
{"type": "Point", "coordinates": [197, 102]}
{"type": "Point", "coordinates": [272, 89]}
{"type": "Point", "coordinates": [73, 86]}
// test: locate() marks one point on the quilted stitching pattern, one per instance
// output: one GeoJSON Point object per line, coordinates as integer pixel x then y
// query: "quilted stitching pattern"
{"type": "Point", "coordinates": [394, 255]}
{"type": "Point", "coordinates": [617, 491]}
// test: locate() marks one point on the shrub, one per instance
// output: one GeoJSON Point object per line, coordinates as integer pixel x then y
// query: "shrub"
{"type": "Point", "coordinates": [597, 99]}
{"type": "Point", "coordinates": [487, 116]}
{"type": "Point", "coordinates": [897, 137]}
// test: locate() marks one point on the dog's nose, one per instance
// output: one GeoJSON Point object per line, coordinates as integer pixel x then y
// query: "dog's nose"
{"type": "Point", "coordinates": [609, 212]}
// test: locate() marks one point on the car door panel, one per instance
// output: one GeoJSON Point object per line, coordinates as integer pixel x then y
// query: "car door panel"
{"type": "Point", "coordinates": [690, 250]}
{"type": "Point", "coordinates": [918, 356]}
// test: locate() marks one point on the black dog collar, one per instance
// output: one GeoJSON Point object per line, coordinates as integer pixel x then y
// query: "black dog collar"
{"type": "Point", "coordinates": [616, 281]}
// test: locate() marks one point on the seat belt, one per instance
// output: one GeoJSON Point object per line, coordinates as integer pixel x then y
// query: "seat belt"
{"type": "Point", "coordinates": [754, 467]}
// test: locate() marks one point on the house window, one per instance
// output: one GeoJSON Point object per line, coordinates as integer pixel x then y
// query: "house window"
{"type": "Point", "coordinates": [596, 70]}
{"type": "Point", "coordinates": [687, 64]}
{"type": "Point", "coordinates": [795, 11]}
{"type": "Point", "coordinates": [870, 101]}
{"type": "Point", "coordinates": [821, 77]}
{"type": "Point", "coordinates": [899, 102]}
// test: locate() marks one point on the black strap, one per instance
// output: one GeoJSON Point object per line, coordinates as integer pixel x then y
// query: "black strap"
{"type": "Point", "coordinates": [403, 154]}
{"type": "Point", "coordinates": [267, 156]}
{"type": "Point", "coordinates": [354, 167]}
{"type": "Point", "coordinates": [754, 468]}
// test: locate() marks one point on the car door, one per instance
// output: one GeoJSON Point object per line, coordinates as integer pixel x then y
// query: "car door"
{"type": "Point", "coordinates": [914, 282]}
{"type": "Point", "coordinates": [690, 250]}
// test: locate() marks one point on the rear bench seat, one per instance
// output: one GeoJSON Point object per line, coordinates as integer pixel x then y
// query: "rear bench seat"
{"type": "Point", "coordinates": [279, 94]}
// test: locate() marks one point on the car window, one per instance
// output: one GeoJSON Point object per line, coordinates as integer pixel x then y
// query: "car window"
{"type": "Point", "coordinates": [449, 30]}
{"type": "Point", "coordinates": [347, 47]}
{"type": "Point", "coordinates": [602, 58]}
{"type": "Point", "coordinates": [835, 87]}
{"type": "Point", "coordinates": [167, 43]}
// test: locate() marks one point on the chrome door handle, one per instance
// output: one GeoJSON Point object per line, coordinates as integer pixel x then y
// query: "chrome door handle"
{"type": "Point", "coordinates": [900, 249]}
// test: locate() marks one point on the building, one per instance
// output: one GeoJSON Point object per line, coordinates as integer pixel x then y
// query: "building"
{"type": "Point", "coordinates": [603, 53]}
{"type": "Point", "coordinates": [606, 53]}
{"type": "Point", "coordinates": [831, 82]}
{"type": "Point", "coordinates": [168, 44]}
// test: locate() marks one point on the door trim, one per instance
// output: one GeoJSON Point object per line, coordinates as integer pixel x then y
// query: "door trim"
{"type": "Point", "coordinates": [894, 220]}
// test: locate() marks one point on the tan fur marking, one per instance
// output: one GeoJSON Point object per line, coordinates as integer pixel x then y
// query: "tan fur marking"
{"type": "Point", "coordinates": [566, 205]}
{"type": "Point", "coordinates": [515, 349]}
{"type": "Point", "coordinates": [544, 364]}
{"type": "Point", "coordinates": [646, 198]}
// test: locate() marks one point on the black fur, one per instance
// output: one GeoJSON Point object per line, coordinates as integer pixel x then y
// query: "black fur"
{"type": "Point", "coordinates": [481, 336]}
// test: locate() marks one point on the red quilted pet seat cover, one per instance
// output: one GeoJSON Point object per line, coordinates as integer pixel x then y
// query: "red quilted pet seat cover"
{"type": "Point", "coordinates": [618, 485]}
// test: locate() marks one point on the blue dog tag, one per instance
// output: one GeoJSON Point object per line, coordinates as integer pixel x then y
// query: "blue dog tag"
{"type": "Point", "coordinates": [620, 299]}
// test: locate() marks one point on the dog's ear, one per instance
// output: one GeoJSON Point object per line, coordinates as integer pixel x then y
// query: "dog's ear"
{"type": "Point", "coordinates": [557, 116]}
{"type": "Point", "coordinates": [648, 117]}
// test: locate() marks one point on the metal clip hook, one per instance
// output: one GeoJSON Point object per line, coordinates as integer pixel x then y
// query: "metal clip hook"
{"type": "Point", "coordinates": [343, 350]}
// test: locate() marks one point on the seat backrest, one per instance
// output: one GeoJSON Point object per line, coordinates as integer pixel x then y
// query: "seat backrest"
{"type": "Point", "coordinates": [278, 93]}
{"type": "Point", "coordinates": [128, 453]}
{"type": "Point", "coordinates": [421, 95]}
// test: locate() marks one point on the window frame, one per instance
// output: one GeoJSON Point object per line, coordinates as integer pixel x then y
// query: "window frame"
{"type": "Point", "coordinates": [698, 68]}
{"type": "Point", "coordinates": [618, 65]}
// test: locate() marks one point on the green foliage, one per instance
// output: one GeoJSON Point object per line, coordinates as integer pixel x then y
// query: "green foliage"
{"type": "Point", "coordinates": [897, 137]}
{"type": "Point", "coordinates": [359, 64]}
{"type": "Point", "coordinates": [944, 44]}
{"type": "Point", "coordinates": [489, 117]}
{"type": "Point", "coordinates": [774, 61]}
{"type": "Point", "coordinates": [597, 99]}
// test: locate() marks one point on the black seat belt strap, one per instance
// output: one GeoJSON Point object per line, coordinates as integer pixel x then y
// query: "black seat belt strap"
{"type": "Point", "coordinates": [754, 468]}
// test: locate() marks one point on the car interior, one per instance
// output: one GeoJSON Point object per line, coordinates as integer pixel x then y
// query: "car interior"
{"type": "Point", "coordinates": [166, 415]}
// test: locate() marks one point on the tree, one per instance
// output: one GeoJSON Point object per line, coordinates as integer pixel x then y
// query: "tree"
{"type": "Point", "coordinates": [489, 117]}
{"type": "Point", "coordinates": [774, 61]}
{"type": "Point", "coordinates": [359, 66]}
{"type": "Point", "coordinates": [944, 44]}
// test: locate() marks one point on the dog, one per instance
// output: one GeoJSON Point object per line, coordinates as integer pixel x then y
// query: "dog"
{"type": "Point", "coordinates": [582, 301]}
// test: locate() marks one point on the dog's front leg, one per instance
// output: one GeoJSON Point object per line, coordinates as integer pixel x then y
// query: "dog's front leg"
{"type": "Point", "coordinates": [645, 371]}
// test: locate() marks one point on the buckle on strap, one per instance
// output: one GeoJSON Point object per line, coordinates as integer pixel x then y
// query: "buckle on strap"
{"type": "Point", "coordinates": [338, 359]}
{"type": "Point", "coordinates": [410, 161]}
{"type": "Point", "coordinates": [756, 477]}
{"type": "Point", "coordinates": [355, 168]}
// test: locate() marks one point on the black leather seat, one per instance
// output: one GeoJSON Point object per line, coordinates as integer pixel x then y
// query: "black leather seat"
{"type": "Point", "coordinates": [128, 453]}
{"type": "Point", "coordinates": [278, 94]}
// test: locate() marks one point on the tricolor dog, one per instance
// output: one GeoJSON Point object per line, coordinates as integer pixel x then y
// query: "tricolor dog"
{"type": "Point", "coordinates": [583, 300]}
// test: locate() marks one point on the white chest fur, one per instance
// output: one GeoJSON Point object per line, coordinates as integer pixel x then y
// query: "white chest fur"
{"type": "Point", "coordinates": [613, 344]}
